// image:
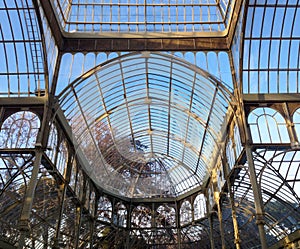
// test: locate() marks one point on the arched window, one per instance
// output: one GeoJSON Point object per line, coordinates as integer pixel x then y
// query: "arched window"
{"type": "Point", "coordinates": [199, 207]}
{"type": "Point", "coordinates": [52, 143]}
{"type": "Point", "coordinates": [220, 178]}
{"type": "Point", "coordinates": [92, 203]}
{"type": "Point", "coordinates": [296, 121]}
{"type": "Point", "coordinates": [20, 130]}
{"type": "Point", "coordinates": [165, 216]}
{"type": "Point", "coordinates": [62, 158]}
{"type": "Point", "coordinates": [141, 217]}
{"type": "Point", "coordinates": [210, 198]}
{"type": "Point", "coordinates": [267, 126]}
{"type": "Point", "coordinates": [87, 195]}
{"type": "Point", "coordinates": [73, 175]}
{"type": "Point", "coordinates": [79, 184]}
{"type": "Point", "coordinates": [104, 210]}
{"type": "Point", "coordinates": [185, 213]}
{"type": "Point", "coordinates": [120, 215]}
{"type": "Point", "coordinates": [225, 71]}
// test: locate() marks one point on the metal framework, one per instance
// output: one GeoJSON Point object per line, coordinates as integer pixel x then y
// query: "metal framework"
{"type": "Point", "coordinates": [149, 124]}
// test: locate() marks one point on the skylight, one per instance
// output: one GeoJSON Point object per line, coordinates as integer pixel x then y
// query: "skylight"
{"type": "Point", "coordinates": [144, 16]}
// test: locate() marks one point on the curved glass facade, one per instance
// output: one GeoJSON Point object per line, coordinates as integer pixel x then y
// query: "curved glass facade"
{"type": "Point", "coordinates": [148, 122]}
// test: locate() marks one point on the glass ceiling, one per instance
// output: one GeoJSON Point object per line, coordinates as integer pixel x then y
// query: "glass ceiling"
{"type": "Point", "coordinates": [144, 16]}
{"type": "Point", "coordinates": [271, 47]}
{"type": "Point", "coordinates": [148, 123]}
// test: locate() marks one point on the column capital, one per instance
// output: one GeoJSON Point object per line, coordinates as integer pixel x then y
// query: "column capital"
{"type": "Point", "coordinates": [24, 225]}
{"type": "Point", "coordinates": [260, 219]}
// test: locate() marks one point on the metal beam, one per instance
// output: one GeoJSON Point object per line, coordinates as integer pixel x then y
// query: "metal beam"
{"type": "Point", "coordinates": [259, 210]}
{"type": "Point", "coordinates": [270, 98]}
{"type": "Point", "coordinates": [143, 44]}
{"type": "Point", "coordinates": [24, 222]}
{"type": "Point", "coordinates": [258, 202]}
{"type": "Point", "coordinates": [22, 101]}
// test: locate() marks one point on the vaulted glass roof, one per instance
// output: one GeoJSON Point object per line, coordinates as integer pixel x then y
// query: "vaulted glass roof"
{"type": "Point", "coordinates": [148, 123]}
{"type": "Point", "coordinates": [144, 16]}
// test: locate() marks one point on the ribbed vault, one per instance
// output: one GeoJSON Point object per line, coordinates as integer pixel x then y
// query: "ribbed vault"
{"type": "Point", "coordinates": [148, 123]}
